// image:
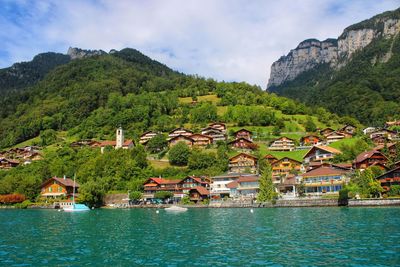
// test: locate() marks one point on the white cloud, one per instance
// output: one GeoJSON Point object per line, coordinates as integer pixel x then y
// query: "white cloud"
{"type": "Point", "coordinates": [226, 40]}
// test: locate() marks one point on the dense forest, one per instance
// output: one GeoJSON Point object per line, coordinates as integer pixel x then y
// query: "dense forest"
{"type": "Point", "coordinates": [367, 87]}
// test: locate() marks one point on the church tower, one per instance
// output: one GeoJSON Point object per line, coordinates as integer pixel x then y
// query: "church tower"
{"type": "Point", "coordinates": [120, 138]}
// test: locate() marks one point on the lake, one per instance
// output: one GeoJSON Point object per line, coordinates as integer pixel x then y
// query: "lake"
{"type": "Point", "coordinates": [202, 237]}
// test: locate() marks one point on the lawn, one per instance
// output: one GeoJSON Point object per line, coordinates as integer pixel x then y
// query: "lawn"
{"type": "Point", "coordinates": [158, 164]}
{"type": "Point", "coordinates": [346, 141]}
{"type": "Point", "coordinates": [204, 98]}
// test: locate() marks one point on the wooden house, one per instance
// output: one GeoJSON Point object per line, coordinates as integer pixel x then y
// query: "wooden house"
{"type": "Point", "coordinates": [310, 140]}
{"type": "Point", "coordinates": [270, 158]}
{"type": "Point", "coordinates": [283, 167]}
{"type": "Point", "coordinates": [242, 163]}
{"type": "Point", "coordinates": [218, 126]}
{"type": "Point", "coordinates": [84, 143]}
{"type": "Point", "coordinates": [179, 131]}
{"type": "Point", "coordinates": [282, 144]}
{"type": "Point", "coordinates": [215, 134]}
{"type": "Point", "coordinates": [380, 140]}
{"type": "Point", "coordinates": [8, 163]}
{"type": "Point", "coordinates": [201, 140]}
{"type": "Point", "coordinates": [56, 187]}
{"type": "Point", "coordinates": [370, 158]}
{"type": "Point", "coordinates": [243, 133]}
{"type": "Point", "coordinates": [198, 193]}
{"type": "Point", "coordinates": [154, 185]}
{"type": "Point", "coordinates": [242, 143]}
{"type": "Point", "coordinates": [326, 131]}
{"type": "Point", "coordinates": [390, 149]}
{"type": "Point", "coordinates": [181, 138]}
{"type": "Point", "coordinates": [348, 128]}
{"type": "Point", "coordinates": [390, 135]}
{"type": "Point", "coordinates": [145, 137]}
{"type": "Point", "coordinates": [219, 184]}
{"type": "Point", "coordinates": [392, 123]}
{"type": "Point", "coordinates": [320, 153]}
{"type": "Point", "coordinates": [369, 130]}
{"type": "Point", "coordinates": [334, 137]}
{"type": "Point", "coordinates": [389, 179]}
{"type": "Point", "coordinates": [191, 181]}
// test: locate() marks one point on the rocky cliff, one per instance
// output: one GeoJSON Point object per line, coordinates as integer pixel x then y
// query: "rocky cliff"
{"type": "Point", "coordinates": [335, 52]}
{"type": "Point", "coordinates": [77, 53]}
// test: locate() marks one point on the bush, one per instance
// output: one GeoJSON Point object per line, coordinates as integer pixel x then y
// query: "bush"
{"type": "Point", "coordinates": [12, 198]}
{"type": "Point", "coordinates": [163, 194]}
{"type": "Point", "coordinates": [344, 194]}
{"type": "Point", "coordinates": [394, 190]}
{"type": "Point", "coordinates": [179, 154]}
{"type": "Point", "coordinates": [186, 200]}
{"type": "Point", "coordinates": [23, 205]}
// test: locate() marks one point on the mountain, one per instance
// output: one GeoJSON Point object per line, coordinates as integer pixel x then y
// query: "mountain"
{"type": "Point", "coordinates": [356, 74]}
{"type": "Point", "coordinates": [25, 74]}
{"type": "Point", "coordinates": [90, 96]}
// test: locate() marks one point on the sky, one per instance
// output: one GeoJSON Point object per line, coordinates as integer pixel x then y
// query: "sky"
{"type": "Point", "coordinates": [231, 40]}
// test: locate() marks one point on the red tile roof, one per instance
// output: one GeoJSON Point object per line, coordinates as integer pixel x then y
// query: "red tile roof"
{"type": "Point", "coordinates": [114, 143]}
{"type": "Point", "coordinates": [324, 171]}
{"type": "Point", "coordinates": [202, 190]}
{"type": "Point", "coordinates": [243, 154]}
{"type": "Point", "coordinates": [65, 182]}
{"type": "Point", "coordinates": [233, 184]}
{"type": "Point", "coordinates": [248, 179]}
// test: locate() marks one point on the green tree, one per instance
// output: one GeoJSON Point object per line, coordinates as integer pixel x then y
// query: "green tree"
{"type": "Point", "coordinates": [267, 188]}
{"type": "Point", "coordinates": [179, 154]}
{"type": "Point", "coordinates": [163, 195]}
{"type": "Point", "coordinates": [201, 160]}
{"type": "Point", "coordinates": [310, 125]}
{"type": "Point", "coordinates": [91, 193]}
{"type": "Point", "coordinates": [48, 137]}
{"type": "Point", "coordinates": [157, 143]}
{"type": "Point", "coordinates": [135, 195]}
{"type": "Point", "coordinates": [140, 156]}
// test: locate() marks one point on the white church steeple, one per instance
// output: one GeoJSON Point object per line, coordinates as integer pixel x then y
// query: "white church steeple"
{"type": "Point", "coordinates": [120, 138]}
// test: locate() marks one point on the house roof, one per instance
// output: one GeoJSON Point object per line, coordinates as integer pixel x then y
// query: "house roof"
{"type": "Point", "coordinates": [182, 129]}
{"type": "Point", "coordinates": [389, 172]}
{"type": "Point", "coordinates": [245, 155]}
{"type": "Point", "coordinates": [197, 179]}
{"type": "Point", "coordinates": [217, 123]}
{"type": "Point", "coordinates": [247, 179]}
{"type": "Point", "coordinates": [310, 135]}
{"type": "Point", "coordinates": [324, 148]}
{"type": "Point", "coordinates": [211, 129]}
{"type": "Point", "coordinates": [243, 129]}
{"type": "Point", "coordinates": [65, 182]}
{"type": "Point", "coordinates": [270, 156]}
{"type": "Point", "coordinates": [282, 137]}
{"type": "Point", "coordinates": [201, 135]}
{"type": "Point", "coordinates": [279, 160]}
{"type": "Point", "coordinates": [201, 189]}
{"type": "Point", "coordinates": [366, 155]}
{"type": "Point", "coordinates": [9, 160]}
{"type": "Point", "coordinates": [127, 142]}
{"type": "Point", "coordinates": [162, 181]}
{"type": "Point", "coordinates": [233, 184]}
{"type": "Point", "coordinates": [380, 147]}
{"type": "Point", "coordinates": [143, 134]}
{"type": "Point", "coordinates": [324, 171]}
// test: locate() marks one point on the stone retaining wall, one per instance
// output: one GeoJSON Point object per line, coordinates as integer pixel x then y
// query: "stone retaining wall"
{"type": "Point", "coordinates": [307, 203]}
{"type": "Point", "coordinates": [374, 202]}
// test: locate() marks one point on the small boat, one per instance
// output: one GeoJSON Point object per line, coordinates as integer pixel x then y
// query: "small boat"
{"type": "Point", "coordinates": [75, 207]}
{"type": "Point", "coordinates": [174, 208]}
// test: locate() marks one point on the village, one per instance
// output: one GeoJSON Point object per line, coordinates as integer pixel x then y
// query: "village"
{"type": "Point", "coordinates": [315, 175]}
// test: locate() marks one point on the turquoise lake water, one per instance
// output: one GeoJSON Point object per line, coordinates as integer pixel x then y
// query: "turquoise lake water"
{"type": "Point", "coordinates": [202, 237]}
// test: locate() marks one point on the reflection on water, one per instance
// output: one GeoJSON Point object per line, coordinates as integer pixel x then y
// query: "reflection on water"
{"type": "Point", "coordinates": [200, 237]}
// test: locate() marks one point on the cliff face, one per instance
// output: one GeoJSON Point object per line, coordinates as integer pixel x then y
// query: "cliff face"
{"type": "Point", "coordinates": [77, 53]}
{"type": "Point", "coordinates": [335, 52]}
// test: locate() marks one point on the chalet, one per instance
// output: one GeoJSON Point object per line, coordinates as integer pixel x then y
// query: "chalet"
{"type": "Point", "coordinates": [198, 193]}
{"type": "Point", "coordinates": [282, 144]}
{"type": "Point", "coordinates": [218, 126]}
{"type": "Point", "coordinates": [243, 133]}
{"type": "Point", "coordinates": [270, 158]}
{"type": "Point", "coordinates": [201, 140]}
{"type": "Point", "coordinates": [8, 163]}
{"type": "Point", "coordinates": [283, 167]}
{"type": "Point", "coordinates": [84, 143]}
{"type": "Point", "coordinates": [320, 153]}
{"type": "Point", "coordinates": [181, 138]}
{"type": "Point", "coordinates": [244, 186]}
{"type": "Point", "coordinates": [22, 155]}
{"type": "Point", "coordinates": [145, 137]}
{"type": "Point", "coordinates": [389, 178]}
{"type": "Point", "coordinates": [334, 136]}
{"type": "Point", "coordinates": [348, 128]}
{"type": "Point", "coordinates": [310, 140]}
{"type": "Point", "coordinates": [243, 163]}
{"type": "Point", "coordinates": [324, 180]}
{"type": "Point", "coordinates": [288, 185]}
{"type": "Point", "coordinates": [316, 164]}
{"type": "Point", "coordinates": [154, 185]}
{"type": "Point", "coordinates": [242, 143]}
{"type": "Point", "coordinates": [380, 140]}
{"type": "Point", "coordinates": [219, 184]}
{"type": "Point", "coordinates": [326, 131]}
{"type": "Point", "coordinates": [370, 158]}
{"type": "Point", "coordinates": [191, 181]}
{"type": "Point", "coordinates": [390, 135]}
{"type": "Point", "coordinates": [179, 131]}
{"type": "Point", "coordinates": [120, 142]}
{"type": "Point", "coordinates": [56, 187]}
{"type": "Point", "coordinates": [215, 134]}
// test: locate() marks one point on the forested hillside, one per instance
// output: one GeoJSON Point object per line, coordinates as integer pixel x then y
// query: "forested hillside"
{"type": "Point", "coordinates": [91, 96]}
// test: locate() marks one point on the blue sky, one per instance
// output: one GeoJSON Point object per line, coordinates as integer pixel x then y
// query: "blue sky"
{"type": "Point", "coordinates": [232, 40]}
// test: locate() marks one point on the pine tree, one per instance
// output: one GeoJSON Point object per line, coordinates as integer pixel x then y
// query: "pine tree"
{"type": "Point", "coordinates": [267, 188]}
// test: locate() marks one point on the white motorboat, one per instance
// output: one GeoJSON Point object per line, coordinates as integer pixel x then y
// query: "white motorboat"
{"type": "Point", "coordinates": [176, 209]}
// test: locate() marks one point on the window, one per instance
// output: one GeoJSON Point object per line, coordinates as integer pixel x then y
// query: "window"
{"type": "Point", "coordinates": [50, 189]}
